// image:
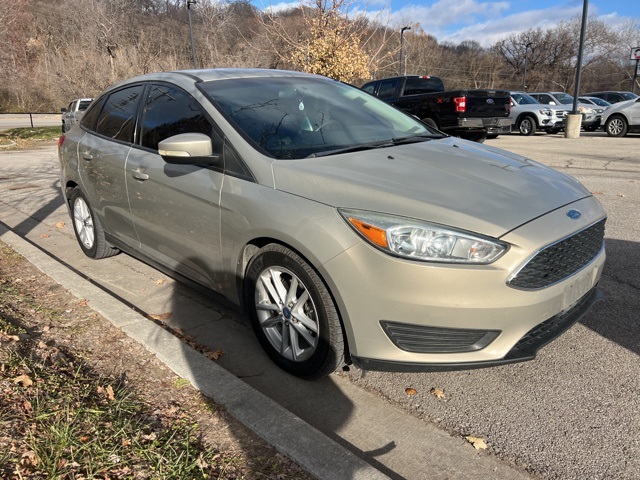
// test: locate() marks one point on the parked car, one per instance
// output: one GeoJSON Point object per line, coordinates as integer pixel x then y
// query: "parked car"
{"type": "Point", "coordinates": [595, 101]}
{"type": "Point", "coordinates": [622, 118]}
{"type": "Point", "coordinates": [529, 116]}
{"type": "Point", "coordinates": [73, 112]}
{"type": "Point", "coordinates": [590, 119]}
{"type": "Point", "coordinates": [350, 231]}
{"type": "Point", "coordinates": [612, 96]}
{"type": "Point", "coordinates": [472, 114]}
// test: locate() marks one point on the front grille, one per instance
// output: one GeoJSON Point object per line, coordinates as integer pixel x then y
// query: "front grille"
{"type": "Point", "coordinates": [561, 260]}
{"type": "Point", "coordinates": [425, 339]}
{"type": "Point", "coordinates": [552, 328]}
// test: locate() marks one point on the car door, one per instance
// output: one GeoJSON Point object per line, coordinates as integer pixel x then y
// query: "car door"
{"type": "Point", "coordinates": [634, 115]}
{"type": "Point", "coordinates": [175, 208]}
{"type": "Point", "coordinates": [102, 155]}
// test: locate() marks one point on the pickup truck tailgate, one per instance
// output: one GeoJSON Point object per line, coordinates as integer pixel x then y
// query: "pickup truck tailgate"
{"type": "Point", "coordinates": [487, 103]}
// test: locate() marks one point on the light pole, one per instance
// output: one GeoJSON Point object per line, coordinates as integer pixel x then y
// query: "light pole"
{"type": "Point", "coordinates": [193, 47]}
{"type": "Point", "coordinates": [401, 69]}
{"type": "Point", "coordinates": [524, 74]}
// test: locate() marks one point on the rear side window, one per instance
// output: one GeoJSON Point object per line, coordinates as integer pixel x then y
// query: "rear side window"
{"type": "Point", "coordinates": [88, 120]}
{"type": "Point", "coordinates": [170, 111]}
{"type": "Point", "coordinates": [369, 88]}
{"type": "Point", "coordinates": [420, 85]}
{"type": "Point", "coordinates": [118, 115]}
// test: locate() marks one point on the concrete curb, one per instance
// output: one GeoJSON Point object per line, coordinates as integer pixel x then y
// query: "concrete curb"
{"type": "Point", "coordinates": [290, 435]}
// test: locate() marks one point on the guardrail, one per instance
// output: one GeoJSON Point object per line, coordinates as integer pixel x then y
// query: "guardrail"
{"type": "Point", "coordinates": [31, 115]}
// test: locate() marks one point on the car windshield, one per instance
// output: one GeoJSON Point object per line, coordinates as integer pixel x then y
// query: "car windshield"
{"type": "Point", "coordinates": [298, 117]}
{"type": "Point", "coordinates": [523, 99]}
{"type": "Point", "coordinates": [564, 98]}
{"type": "Point", "coordinates": [595, 100]}
{"type": "Point", "coordinates": [628, 95]}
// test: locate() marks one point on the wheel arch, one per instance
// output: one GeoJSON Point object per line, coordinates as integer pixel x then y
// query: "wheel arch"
{"type": "Point", "coordinates": [530, 115]}
{"type": "Point", "coordinates": [251, 249]}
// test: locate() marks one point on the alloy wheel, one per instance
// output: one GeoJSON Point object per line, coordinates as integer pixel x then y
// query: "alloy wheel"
{"type": "Point", "coordinates": [287, 314]}
{"type": "Point", "coordinates": [83, 222]}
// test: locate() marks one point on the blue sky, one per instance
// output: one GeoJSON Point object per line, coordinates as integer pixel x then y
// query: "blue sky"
{"type": "Point", "coordinates": [482, 20]}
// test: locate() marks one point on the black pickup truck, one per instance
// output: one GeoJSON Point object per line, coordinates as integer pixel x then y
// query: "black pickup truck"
{"type": "Point", "coordinates": [469, 114]}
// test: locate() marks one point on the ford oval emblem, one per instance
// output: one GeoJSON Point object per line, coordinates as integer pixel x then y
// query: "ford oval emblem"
{"type": "Point", "coordinates": [573, 214]}
{"type": "Point", "coordinates": [490, 101]}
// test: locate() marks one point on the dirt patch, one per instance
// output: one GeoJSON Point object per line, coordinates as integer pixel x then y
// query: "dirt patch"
{"type": "Point", "coordinates": [53, 317]}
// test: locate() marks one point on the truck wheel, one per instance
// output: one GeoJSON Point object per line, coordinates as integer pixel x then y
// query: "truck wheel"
{"type": "Point", "coordinates": [527, 125]}
{"type": "Point", "coordinates": [616, 126]}
{"type": "Point", "coordinates": [478, 137]}
{"type": "Point", "coordinates": [293, 314]}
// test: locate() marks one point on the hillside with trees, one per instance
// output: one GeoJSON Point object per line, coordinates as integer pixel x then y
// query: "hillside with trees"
{"type": "Point", "coordinates": [54, 51]}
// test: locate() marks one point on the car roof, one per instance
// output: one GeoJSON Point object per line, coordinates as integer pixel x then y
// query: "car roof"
{"type": "Point", "coordinates": [182, 77]}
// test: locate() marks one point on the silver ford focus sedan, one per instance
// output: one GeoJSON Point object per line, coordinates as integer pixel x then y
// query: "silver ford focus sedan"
{"type": "Point", "coordinates": [350, 232]}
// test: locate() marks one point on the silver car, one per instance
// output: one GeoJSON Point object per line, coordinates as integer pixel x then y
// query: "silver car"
{"type": "Point", "coordinates": [349, 231]}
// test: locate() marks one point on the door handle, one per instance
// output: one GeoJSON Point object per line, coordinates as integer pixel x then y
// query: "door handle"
{"type": "Point", "coordinates": [138, 175]}
{"type": "Point", "coordinates": [87, 156]}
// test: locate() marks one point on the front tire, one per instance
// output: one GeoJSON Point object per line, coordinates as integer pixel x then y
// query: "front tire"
{"type": "Point", "coordinates": [293, 314]}
{"type": "Point", "coordinates": [527, 125]}
{"type": "Point", "coordinates": [88, 229]}
{"type": "Point", "coordinates": [616, 126]}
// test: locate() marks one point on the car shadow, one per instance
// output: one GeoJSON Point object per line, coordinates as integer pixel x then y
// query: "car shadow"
{"type": "Point", "coordinates": [617, 317]}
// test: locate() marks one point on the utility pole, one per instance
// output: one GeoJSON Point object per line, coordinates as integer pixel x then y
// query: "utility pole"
{"type": "Point", "coordinates": [401, 69]}
{"type": "Point", "coordinates": [193, 47]}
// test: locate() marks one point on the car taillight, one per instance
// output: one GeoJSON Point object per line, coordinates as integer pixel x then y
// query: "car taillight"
{"type": "Point", "coordinates": [461, 104]}
{"type": "Point", "coordinates": [60, 141]}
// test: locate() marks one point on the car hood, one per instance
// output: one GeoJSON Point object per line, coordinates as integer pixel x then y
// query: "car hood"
{"type": "Point", "coordinates": [450, 181]}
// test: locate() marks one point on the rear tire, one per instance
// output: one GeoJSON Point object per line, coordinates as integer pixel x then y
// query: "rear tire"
{"type": "Point", "coordinates": [293, 314]}
{"type": "Point", "coordinates": [87, 228]}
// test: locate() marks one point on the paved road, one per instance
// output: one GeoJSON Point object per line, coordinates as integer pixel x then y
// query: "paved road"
{"type": "Point", "coordinates": [572, 414]}
{"type": "Point", "coordinates": [17, 120]}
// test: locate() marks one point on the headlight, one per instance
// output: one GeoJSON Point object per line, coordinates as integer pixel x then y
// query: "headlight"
{"type": "Point", "coordinates": [545, 111]}
{"type": "Point", "coordinates": [418, 240]}
{"type": "Point", "coordinates": [586, 110]}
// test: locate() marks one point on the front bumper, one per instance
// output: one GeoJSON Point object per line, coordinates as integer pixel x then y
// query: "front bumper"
{"type": "Point", "coordinates": [524, 350]}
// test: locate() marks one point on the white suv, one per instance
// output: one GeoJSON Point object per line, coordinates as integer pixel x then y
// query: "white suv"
{"type": "Point", "coordinates": [621, 118]}
{"type": "Point", "coordinates": [528, 116]}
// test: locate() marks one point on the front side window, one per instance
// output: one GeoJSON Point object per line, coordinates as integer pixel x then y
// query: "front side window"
{"type": "Point", "coordinates": [388, 88]}
{"type": "Point", "coordinates": [170, 111]}
{"type": "Point", "coordinates": [117, 118]}
{"type": "Point", "coordinates": [88, 120]}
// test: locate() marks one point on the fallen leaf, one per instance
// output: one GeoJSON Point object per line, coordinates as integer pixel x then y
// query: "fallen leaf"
{"type": "Point", "coordinates": [84, 438]}
{"type": "Point", "coordinates": [60, 225]}
{"type": "Point", "coordinates": [24, 380]}
{"type": "Point", "coordinates": [437, 392]}
{"type": "Point", "coordinates": [45, 235]}
{"type": "Point", "coordinates": [161, 316]}
{"type": "Point", "coordinates": [83, 303]}
{"type": "Point", "coordinates": [478, 443]}
{"type": "Point", "coordinates": [214, 355]}
{"type": "Point", "coordinates": [110, 393]}
{"type": "Point", "coordinates": [14, 338]}
{"type": "Point", "coordinates": [410, 391]}
{"type": "Point", "coordinates": [27, 406]}
{"type": "Point", "coordinates": [126, 442]}
{"type": "Point", "coordinates": [29, 459]}
{"type": "Point", "coordinates": [160, 281]}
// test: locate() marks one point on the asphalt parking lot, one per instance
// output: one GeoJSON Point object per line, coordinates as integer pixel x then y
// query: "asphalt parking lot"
{"type": "Point", "coordinates": [571, 414]}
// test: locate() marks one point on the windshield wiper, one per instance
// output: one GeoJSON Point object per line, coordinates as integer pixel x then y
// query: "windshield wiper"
{"type": "Point", "coordinates": [424, 137]}
{"type": "Point", "coordinates": [354, 148]}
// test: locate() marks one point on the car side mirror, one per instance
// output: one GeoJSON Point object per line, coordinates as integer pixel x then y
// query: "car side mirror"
{"type": "Point", "coordinates": [188, 149]}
